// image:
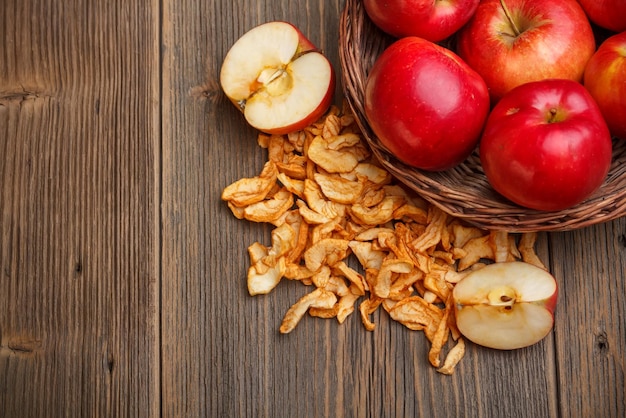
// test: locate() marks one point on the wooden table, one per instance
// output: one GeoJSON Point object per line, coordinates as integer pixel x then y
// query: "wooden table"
{"type": "Point", "coordinates": [122, 281]}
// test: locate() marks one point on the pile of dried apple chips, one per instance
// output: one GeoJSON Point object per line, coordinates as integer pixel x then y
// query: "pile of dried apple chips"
{"type": "Point", "coordinates": [346, 228]}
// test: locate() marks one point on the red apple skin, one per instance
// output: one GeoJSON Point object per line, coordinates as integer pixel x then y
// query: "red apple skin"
{"type": "Point", "coordinates": [609, 14]}
{"type": "Point", "coordinates": [551, 303]}
{"type": "Point", "coordinates": [428, 19]}
{"type": "Point", "coordinates": [546, 146]}
{"type": "Point", "coordinates": [605, 78]}
{"type": "Point", "coordinates": [425, 104]}
{"type": "Point", "coordinates": [556, 41]}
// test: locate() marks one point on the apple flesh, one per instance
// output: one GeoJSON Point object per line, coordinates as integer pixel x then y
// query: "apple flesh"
{"type": "Point", "coordinates": [277, 78]}
{"type": "Point", "coordinates": [546, 146]}
{"type": "Point", "coordinates": [506, 305]}
{"type": "Point", "coordinates": [605, 79]}
{"type": "Point", "coordinates": [428, 19]}
{"type": "Point", "coordinates": [425, 104]}
{"type": "Point", "coordinates": [609, 14]}
{"type": "Point", "coordinates": [512, 42]}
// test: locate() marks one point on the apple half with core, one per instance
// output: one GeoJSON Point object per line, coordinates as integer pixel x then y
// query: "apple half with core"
{"type": "Point", "coordinates": [425, 104]}
{"type": "Point", "coordinates": [546, 146]}
{"type": "Point", "coordinates": [605, 79]}
{"type": "Point", "coordinates": [506, 305]}
{"type": "Point", "coordinates": [512, 42]}
{"type": "Point", "coordinates": [277, 78]}
{"type": "Point", "coordinates": [428, 19]}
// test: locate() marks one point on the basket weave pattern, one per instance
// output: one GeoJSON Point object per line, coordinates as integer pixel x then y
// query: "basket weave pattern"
{"type": "Point", "coordinates": [464, 191]}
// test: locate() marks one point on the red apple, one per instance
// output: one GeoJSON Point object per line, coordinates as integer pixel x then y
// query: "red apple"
{"type": "Point", "coordinates": [425, 104]}
{"type": "Point", "coordinates": [277, 78]}
{"type": "Point", "coordinates": [609, 14]}
{"type": "Point", "coordinates": [546, 146]}
{"type": "Point", "coordinates": [428, 19]}
{"type": "Point", "coordinates": [605, 78]}
{"type": "Point", "coordinates": [512, 42]}
{"type": "Point", "coordinates": [506, 305]}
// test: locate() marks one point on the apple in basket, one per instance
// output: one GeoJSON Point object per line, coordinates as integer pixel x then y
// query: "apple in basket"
{"type": "Point", "coordinates": [425, 104]}
{"type": "Point", "coordinates": [506, 305]}
{"type": "Point", "coordinates": [605, 79]}
{"type": "Point", "coordinates": [511, 42]}
{"type": "Point", "coordinates": [609, 14]}
{"type": "Point", "coordinates": [546, 146]}
{"type": "Point", "coordinates": [428, 19]}
{"type": "Point", "coordinates": [277, 78]}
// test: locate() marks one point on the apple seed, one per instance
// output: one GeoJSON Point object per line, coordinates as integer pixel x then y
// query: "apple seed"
{"type": "Point", "coordinates": [502, 296]}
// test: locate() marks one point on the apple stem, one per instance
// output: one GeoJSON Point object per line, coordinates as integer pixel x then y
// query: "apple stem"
{"type": "Point", "coordinates": [507, 13]}
{"type": "Point", "coordinates": [553, 115]}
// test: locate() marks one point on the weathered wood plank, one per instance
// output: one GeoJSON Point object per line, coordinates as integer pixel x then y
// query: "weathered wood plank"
{"type": "Point", "coordinates": [591, 325]}
{"type": "Point", "coordinates": [79, 138]}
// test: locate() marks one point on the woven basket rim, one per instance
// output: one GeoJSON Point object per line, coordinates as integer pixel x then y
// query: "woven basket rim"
{"type": "Point", "coordinates": [463, 191]}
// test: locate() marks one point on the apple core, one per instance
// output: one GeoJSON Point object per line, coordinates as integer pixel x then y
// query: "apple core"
{"type": "Point", "coordinates": [275, 81]}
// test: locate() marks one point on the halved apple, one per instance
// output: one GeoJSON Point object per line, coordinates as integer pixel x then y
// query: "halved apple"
{"type": "Point", "coordinates": [277, 78]}
{"type": "Point", "coordinates": [506, 305]}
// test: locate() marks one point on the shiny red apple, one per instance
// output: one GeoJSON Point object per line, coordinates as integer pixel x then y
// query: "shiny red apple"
{"type": "Point", "coordinates": [277, 78]}
{"type": "Point", "coordinates": [609, 14]}
{"type": "Point", "coordinates": [605, 78]}
{"type": "Point", "coordinates": [425, 104]}
{"type": "Point", "coordinates": [428, 19]}
{"type": "Point", "coordinates": [546, 146]}
{"type": "Point", "coordinates": [512, 42]}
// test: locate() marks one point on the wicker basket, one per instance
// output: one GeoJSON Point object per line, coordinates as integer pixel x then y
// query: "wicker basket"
{"type": "Point", "coordinates": [464, 191]}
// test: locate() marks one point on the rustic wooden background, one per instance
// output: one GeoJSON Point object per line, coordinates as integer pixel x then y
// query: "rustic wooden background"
{"type": "Point", "coordinates": [122, 281]}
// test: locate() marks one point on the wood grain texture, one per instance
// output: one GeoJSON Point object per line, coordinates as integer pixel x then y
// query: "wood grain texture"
{"type": "Point", "coordinates": [591, 326]}
{"type": "Point", "coordinates": [122, 273]}
{"type": "Point", "coordinates": [79, 252]}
